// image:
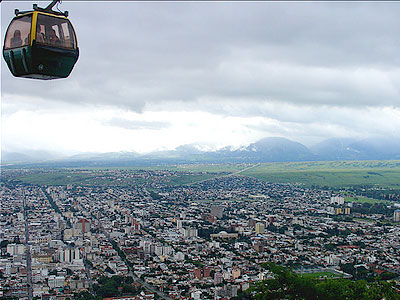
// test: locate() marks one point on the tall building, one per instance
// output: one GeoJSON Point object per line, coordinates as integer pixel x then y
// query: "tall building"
{"type": "Point", "coordinates": [207, 272]}
{"type": "Point", "coordinates": [83, 225]}
{"type": "Point", "coordinates": [198, 273]}
{"type": "Point", "coordinates": [337, 200]}
{"type": "Point", "coordinates": [218, 278]}
{"type": "Point", "coordinates": [189, 232]}
{"type": "Point", "coordinates": [260, 228]}
{"type": "Point", "coordinates": [135, 225]}
{"type": "Point", "coordinates": [396, 215]}
{"type": "Point", "coordinates": [178, 224]}
{"type": "Point", "coordinates": [68, 255]}
{"type": "Point", "coordinates": [15, 249]}
{"type": "Point", "coordinates": [55, 281]}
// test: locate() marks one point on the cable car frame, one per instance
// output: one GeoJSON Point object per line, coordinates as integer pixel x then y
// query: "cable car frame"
{"type": "Point", "coordinates": [41, 44]}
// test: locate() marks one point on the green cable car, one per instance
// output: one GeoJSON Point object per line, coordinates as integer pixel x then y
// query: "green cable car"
{"type": "Point", "coordinates": [40, 44]}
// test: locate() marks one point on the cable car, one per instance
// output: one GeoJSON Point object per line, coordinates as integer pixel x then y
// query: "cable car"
{"type": "Point", "coordinates": [41, 44]}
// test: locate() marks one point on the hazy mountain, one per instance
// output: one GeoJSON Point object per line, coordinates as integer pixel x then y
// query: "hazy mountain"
{"type": "Point", "coordinates": [28, 156]}
{"type": "Point", "coordinates": [123, 155]}
{"type": "Point", "coordinates": [353, 149]}
{"type": "Point", "coordinates": [278, 149]}
{"type": "Point", "coordinates": [273, 149]}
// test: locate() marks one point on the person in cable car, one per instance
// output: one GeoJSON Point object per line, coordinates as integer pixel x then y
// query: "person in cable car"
{"type": "Point", "coordinates": [53, 38]}
{"type": "Point", "coordinates": [16, 40]}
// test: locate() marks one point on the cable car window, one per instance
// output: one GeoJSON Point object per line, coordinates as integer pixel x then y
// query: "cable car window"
{"type": "Point", "coordinates": [40, 34]}
{"type": "Point", "coordinates": [56, 32]}
{"type": "Point", "coordinates": [18, 33]}
{"type": "Point", "coordinates": [69, 37]}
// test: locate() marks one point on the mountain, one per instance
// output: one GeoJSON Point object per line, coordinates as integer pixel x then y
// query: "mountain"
{"type": "Point", "coordinates": [28, 156]}
{"type": "Point", "coordinates": [272, 149]}
{"type": "Point", "coordinates": [278, 149]}
{"type": "Point", "coordinates": [353, 149]}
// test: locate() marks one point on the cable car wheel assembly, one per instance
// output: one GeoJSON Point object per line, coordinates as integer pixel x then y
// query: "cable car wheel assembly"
{"type": "Point", "coordinates": [41, 44]}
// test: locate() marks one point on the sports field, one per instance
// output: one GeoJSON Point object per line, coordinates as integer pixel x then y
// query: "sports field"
{"type": "Point", "coordinates": [320, 275]}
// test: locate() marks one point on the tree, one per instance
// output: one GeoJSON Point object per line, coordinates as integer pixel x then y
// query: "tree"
{"type": "Point", "coordinates": [290, 286]}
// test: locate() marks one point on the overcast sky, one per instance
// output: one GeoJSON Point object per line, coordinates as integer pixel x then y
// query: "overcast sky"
{"type": "Point", "coordinates": [156, 75]}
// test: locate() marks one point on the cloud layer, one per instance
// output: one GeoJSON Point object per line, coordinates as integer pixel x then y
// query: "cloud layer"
{"type": "Point", "coordinates": [298, 69]}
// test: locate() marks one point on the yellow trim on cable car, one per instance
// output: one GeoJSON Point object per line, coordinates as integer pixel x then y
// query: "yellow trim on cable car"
{"type": "Point", "coordinates": [49, 14]}
{"type": "Point", "coordinates": [33, 28]}
{"type": "Point", "coordinates": [23, 15]}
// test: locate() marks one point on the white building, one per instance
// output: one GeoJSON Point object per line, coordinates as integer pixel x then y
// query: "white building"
{"type": "Point", "coordinates": [68, 255]}
{"type": "Point", "coordinates": [337, 200]}
{"type": "Point", "coordinates": [56, 281]}
{"type": "Point", "coordinates": [189, 232]}
{"type": "Point", "coordinates": [15, 249]}
{"type": "Point", "coordinates": [396, 215]}
{"type": "Point", "coordinates": [260, 228]}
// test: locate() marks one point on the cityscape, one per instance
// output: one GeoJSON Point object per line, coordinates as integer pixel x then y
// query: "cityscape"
{"type": "Point", "coordinates": [206, 240]}
{"type": "Point", "coordinates": [200, 150]}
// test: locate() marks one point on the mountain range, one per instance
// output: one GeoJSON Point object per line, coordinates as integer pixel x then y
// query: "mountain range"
{"type": "Point", "coordinates": [271, 149]}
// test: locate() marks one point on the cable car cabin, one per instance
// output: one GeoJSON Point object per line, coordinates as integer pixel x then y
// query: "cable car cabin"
{"type": "Point", "coordinates": [40, 45]}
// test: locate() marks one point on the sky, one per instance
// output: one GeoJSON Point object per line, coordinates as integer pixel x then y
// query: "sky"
{"type": "Point", "coordinates": [157, 75]}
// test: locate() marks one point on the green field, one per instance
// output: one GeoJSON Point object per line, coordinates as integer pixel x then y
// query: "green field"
{"type": "Point", "coordinates": [318, 275]}
{"type": "Point", "coordinates": [360, 199]}
{"type": "Point", "coordinates": [332, 174]}
{"type": "Point", "coordinates": [59, 178]}
{"type": "Point", "coordinates": [337, 174]}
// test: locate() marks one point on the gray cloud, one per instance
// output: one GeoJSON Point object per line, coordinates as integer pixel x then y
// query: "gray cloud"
{"type": "Point", "coordinates": [321, 53]}
{"type": "Point", "coordinates": [134, 125]}
{"type": "Point", "coordinates": [313, 68]}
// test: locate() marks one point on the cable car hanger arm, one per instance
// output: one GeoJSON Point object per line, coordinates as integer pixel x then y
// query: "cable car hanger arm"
{"type": "Point", "coordinates": [51, 5]}
{"type": "Point", "coordinates": [48, 9]}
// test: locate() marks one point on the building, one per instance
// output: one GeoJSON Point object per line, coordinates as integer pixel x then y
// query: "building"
{"type": "Point", "coordinates": [178, 224]}
{"type": "Point", "coordinates": [236, 273]}
{"type": "Point", "coordinates": [218, 278]}
{"type": "Point", "coordinates": [224, 235]}
{"type": "Point", "coordinates": [83, 225]}
{"type": "Point", "coordinates": [206, 272]}
{"type": "Point", "coordinates": [198, 273]}
{"type": "Point", "coordinates": [135, 225]}
{"type": "Point", "coordinates": [15, 249]}
{"type": "Point", "coordinates": [260, 228]}
{"type": "Point", "coordinates": [396, 215]}
{"type": "Point", "coordinates": [68, 255]}
{"type": "Point", "coordinates": [337, 200]}
{"type": "Point", "coordinates": [56, 281]}
{"type": "Point", "coordinates": [190, 232]}
{"type": "Point", "coordinates": [338, 211]}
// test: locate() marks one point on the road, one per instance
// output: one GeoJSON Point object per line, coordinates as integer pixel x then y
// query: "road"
{"type": "Point", "coordinates": [147, 286]}
{"type": "Point", "coordinates": [28, 252]}
{"type": "Point", "coordinates": [227, 175]}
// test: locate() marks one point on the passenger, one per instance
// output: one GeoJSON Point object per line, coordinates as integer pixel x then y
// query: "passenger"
{"type": "Point", "coordinates": [53, 38]}
{"type": "Point", "coordinates": [39, 36]}
{"type": "Point", "coordinates": [16, 41]}
{"type": "Point", "coordinates": [28, 39]}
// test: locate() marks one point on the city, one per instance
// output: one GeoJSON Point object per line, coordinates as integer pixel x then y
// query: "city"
{"type": "Point", "coordinates": [205, 240]}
